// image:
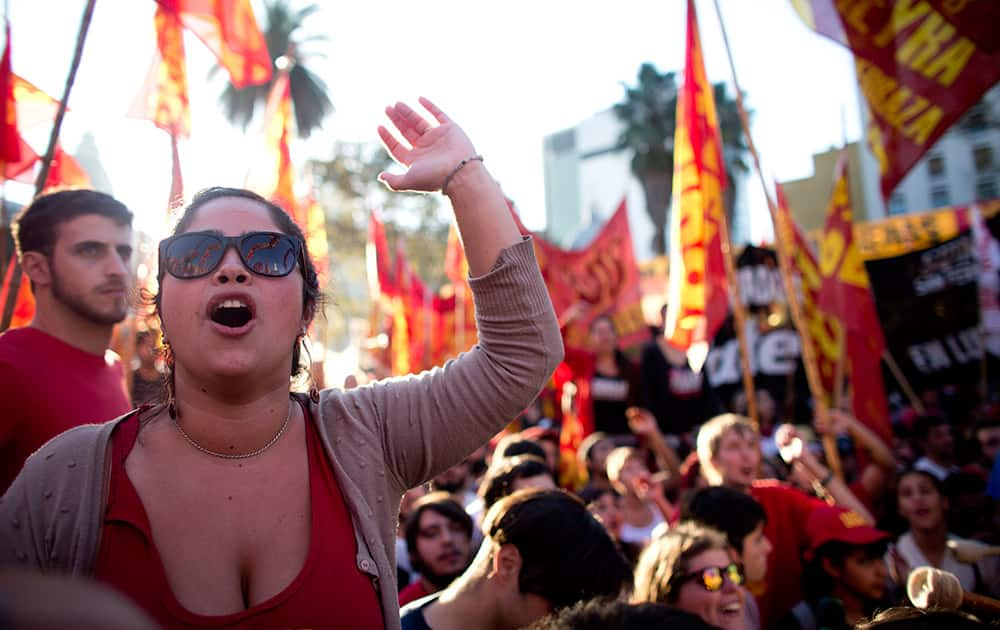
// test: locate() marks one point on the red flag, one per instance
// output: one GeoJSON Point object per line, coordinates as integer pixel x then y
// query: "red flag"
{"type": "Point", "coordinates": [65, 172]}
{"type": "Point", "coordinates": [920, 63]}
{"type": "Point", "coordinates": [10, 139]}
{"type": "Point", "coordinates": [845, 295]}
{"type": "Point", "coordinates": [603, 275]}
{"type": "Point", "coordinates": [24, 305]}
{"type": "Point", "coordinates": [381, 277]}
{"type": "Point", "coordinates": [16, 157]}
{"type": "Point", "coordinates": [825, 331]}
{"type": "Point", "coordinates": [697, 300]}
{"type": "Point", "coordinates": [230, 30]}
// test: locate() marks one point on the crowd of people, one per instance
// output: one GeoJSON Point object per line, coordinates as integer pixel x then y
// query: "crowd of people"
{"type": "Point", "coordinates": [218, 497]}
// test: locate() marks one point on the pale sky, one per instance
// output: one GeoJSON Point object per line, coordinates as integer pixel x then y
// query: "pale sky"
{"type": "Point", "coordinates": [509, 73]}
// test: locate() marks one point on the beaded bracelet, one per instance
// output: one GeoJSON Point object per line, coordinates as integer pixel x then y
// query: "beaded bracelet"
{"type": "Point", "coordinates": [455, 171]}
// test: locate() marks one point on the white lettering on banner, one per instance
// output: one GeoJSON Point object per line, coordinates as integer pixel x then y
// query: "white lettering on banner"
{"type": "Point", "coordinates": [942, 354]}
{"type": "Point", "coordinates": [774, 353]}
{"type": "Point", "coordinates": [760, 285]}
{"type": "Point", "coordinates": [947, 265]}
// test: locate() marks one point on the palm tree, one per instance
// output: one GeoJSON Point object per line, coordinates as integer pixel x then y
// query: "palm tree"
{"type": "Point", "coordinates": [310, 100]}
{"type": "Point", "coordinates": [649, 115]}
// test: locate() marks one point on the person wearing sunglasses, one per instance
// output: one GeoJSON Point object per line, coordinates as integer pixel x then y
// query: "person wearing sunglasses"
{"type": "Point", "coordinates": [691, 568]}
{"type": "Point", "coordinates": [238, 503]}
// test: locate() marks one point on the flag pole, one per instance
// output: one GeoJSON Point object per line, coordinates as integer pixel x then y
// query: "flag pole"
{"type": "Point", "coordinates": [43, 174]}
{"type": "Point", "coordinates": [903, 382]}
{"type": "Point", "coordinates": [784, 259]}
{"type": "Point", "coordinates": [739, 318]}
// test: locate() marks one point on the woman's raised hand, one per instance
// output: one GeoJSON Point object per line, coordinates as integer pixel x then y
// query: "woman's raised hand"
{"type": "Point", "coordinates": [430, 151]}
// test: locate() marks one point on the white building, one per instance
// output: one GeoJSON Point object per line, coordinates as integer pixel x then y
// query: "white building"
{"type": "Point", "coordinates": [586, 179]}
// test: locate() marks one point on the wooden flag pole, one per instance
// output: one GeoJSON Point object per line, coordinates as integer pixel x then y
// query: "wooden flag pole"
{"type": "Point", "coordinates": [739, 318]}
{"type": "Point", "coordinates": [903, 382]}
{"type": "Point", "coordinates": [784, 259]}
{"type": "Point", "coordinates": [838, 374]}
{"type": "Point", "coordinates": [43, 174]}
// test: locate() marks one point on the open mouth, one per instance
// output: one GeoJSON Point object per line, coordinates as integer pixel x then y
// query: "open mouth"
{"type": "Point", "coordinates": [232, 314]}
{"type": "Point", "coordinates": [732, 610]}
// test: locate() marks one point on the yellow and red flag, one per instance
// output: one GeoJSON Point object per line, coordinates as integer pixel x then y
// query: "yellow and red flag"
{"type": "Point", "coordinates": [825, 331]}
{"type": "Point", "coordinates": [274, 176]}
{"type": "Point", "coordinates": [920, 64]}
{"type": "Point", "coordinates": [844, 292]}
{"type": "Point", "coordinates": [455, 325]}
{"type": "Point", "coordinates": [845, 295]}
{"type": "Point", "coordinates": [229, 29]}
{"type": "Point", "coordinates": [697, 299]}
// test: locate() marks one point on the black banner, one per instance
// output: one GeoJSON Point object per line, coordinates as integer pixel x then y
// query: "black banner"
{"type": "Point", "coordinates": [928, 303]}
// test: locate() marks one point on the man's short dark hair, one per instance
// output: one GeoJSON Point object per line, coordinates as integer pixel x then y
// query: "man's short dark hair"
{"type": "Point", "coordinates": [34, 230]}
{"type": "Point", "coordinates": [605, 614]}
{"type": "Point", "coordinates": [566, 554]}
{"type": "Point", "coordinates": [734, 513]}
{"type": "Point", "coordinates": [514, 445]}
{"type": "Point", "coordinates": [500, 478]}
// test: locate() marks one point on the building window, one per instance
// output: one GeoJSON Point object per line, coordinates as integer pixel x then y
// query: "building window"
{"type": "Point", "coordinates": [935, 165]}
{"type": "Point", "coordinates": [986, 189]}
{"type": "Point", "coordinates": [940, 196]}
{"type": "Point", "coordinates": [897, 204]}
{"type": "Point", "coordinates": [975, 119]}
{"type": "Point", "coordinates": [983, 158]}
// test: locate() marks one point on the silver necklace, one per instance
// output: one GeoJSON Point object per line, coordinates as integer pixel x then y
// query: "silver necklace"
{"type": "Point", "coordinates": [274, 440]}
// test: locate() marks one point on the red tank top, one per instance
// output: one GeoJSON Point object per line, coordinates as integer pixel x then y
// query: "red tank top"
{"type": "Point", "coordinates": [329, 591]}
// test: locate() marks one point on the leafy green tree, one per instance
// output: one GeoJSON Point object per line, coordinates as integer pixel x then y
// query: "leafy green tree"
{"type": "Point", "coordinates": [648, 113]}
{"type": "Point", "coordinates": [348, 188]}
{"type": "Point", "coordinates": [285, 40]}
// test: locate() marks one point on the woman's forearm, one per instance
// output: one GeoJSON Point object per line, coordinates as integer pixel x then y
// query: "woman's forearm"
{"type": "Point", "coordinates": [483, 218]}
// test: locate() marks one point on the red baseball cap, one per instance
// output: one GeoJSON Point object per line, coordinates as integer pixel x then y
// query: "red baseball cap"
{"type": "Point", "coordinates": [830, 523]}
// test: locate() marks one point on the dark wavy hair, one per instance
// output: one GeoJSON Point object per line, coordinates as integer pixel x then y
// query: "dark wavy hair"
{"type": "Point", "coordinates": [312, 296]}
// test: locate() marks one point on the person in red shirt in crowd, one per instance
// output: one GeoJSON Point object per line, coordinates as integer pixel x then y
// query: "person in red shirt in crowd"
{"type": "Point", "coordinates": [729, 455]}
{"type": "Point", "coordinates": [439, 541]}
{"type": "Point", "coordinates": [57, 372]}
{"type": "Point", "coordinates": [845, 579]}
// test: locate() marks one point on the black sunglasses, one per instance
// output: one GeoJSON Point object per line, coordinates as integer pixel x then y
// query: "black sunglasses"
{"type": "Point", "coordinates": [712, 578]}
{"type": "Point", "coordinates": [196, 254]}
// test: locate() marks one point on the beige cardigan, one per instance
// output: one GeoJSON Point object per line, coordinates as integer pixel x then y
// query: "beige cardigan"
{"type": "Point", "coordinates": [381, 439]}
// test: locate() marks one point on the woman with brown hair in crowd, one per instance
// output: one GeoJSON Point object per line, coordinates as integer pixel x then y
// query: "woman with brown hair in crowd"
{"type": "Point", "coordinates": [238, 503]}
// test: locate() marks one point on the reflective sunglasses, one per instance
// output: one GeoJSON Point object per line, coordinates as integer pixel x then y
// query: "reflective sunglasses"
{"type": "Point", "coordinates": [712, 578]}
{"type": "Point", "coordinates": [196, 254]}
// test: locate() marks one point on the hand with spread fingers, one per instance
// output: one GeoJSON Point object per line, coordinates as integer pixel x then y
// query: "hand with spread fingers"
{"type": "Point", "coordinates": [430, 151]}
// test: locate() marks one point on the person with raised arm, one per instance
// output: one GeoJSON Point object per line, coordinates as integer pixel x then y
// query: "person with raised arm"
{"type": "Point", "coordinates": [238, 503]}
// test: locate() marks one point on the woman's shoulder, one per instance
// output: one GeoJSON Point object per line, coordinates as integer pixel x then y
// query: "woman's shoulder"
{"type": "Point", "coordinates": [76, 449]}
